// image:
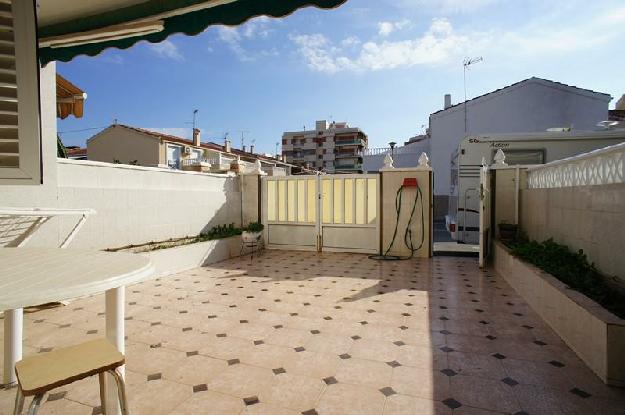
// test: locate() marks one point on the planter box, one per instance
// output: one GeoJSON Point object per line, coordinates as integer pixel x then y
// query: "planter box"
{"type": "Point", "coordinates": [184, 257]}
{"type": "Point", "coordinates": [595, 335]}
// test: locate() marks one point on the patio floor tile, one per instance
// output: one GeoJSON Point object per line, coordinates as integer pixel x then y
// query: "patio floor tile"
{"type": "Point", "coordinates": [331, 333]}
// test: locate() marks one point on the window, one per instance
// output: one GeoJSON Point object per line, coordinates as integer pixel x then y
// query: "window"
{"type": "Point", "coordinates": [514, 157]}
{"type": "Point", "coordinates": [174, 154]}
{"type": "Point", "coordinates": [20, 132]}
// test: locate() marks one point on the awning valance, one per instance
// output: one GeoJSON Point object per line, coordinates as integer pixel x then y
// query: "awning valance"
{"type": "Point", "coordinates": [153, 20]}
{"type": "Point", "coordinates": [70, 100]}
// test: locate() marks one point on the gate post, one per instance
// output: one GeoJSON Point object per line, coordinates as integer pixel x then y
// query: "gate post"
{"type": "Point", "coordinates": [391, 181]}
{"type": "Point", "coordinates": [251, 196]}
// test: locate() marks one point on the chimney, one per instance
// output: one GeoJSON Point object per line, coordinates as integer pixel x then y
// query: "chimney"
{"type": "Point", "coordinates": [447, 101]}
{"type": "Point", "coordinates": [252, 149]}
{"type": "Point", "coordinates": [243, 148]}
{"type": "Point", "coordinates": [227, 146]}
{"type": "Point", "coordinates": [196, 137]}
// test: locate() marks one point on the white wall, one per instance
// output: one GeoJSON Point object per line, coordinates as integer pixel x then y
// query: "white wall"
{"type": "Point", "coordinates": [134, 204]}
{"type": "Point", "coordinates": [532, 106]}
{"type": "Point", "coordinates": [405, 156]}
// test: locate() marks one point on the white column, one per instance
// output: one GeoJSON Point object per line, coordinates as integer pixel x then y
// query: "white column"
{"type": "Point", "coordinates": [115, 306]}
{"type": "Point", "coordinates": [13, 327]}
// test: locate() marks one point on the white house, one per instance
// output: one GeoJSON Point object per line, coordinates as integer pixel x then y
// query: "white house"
{"type": "Point", "coordinates": [531, 105]}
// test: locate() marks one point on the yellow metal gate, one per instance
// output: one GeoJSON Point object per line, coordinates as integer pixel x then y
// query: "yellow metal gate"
{"type": "Point", "coordinates": [329, 212]}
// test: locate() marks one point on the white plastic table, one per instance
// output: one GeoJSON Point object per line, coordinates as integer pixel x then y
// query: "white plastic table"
{"type": "Point", "coordinates": [33, 276]}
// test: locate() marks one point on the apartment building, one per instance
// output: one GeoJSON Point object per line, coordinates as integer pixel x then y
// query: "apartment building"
{"type": "Point", "coordinates": [124, 144]}
{"type": "Point", "coordinates": [334, 148]}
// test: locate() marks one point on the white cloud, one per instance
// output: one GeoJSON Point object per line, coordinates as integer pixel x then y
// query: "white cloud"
{"type": "Point", "coordinates": [386, 28]}
{"type": "Point", "coordinates": [445, 6]}
{"type": "Point", "coordinates": [437, 45]}
{"type": "Point", "coordinates": [350, 41]}
{"type": "Point", "coordinates": [254, 29]}
{"type": "Point", "coordinates": [166, 49]}
{"type": "Point", "coordinates": [442, 43]}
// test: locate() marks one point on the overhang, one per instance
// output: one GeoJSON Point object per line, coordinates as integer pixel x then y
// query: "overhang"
{"type": "Point", "coordinates": [67, 28]}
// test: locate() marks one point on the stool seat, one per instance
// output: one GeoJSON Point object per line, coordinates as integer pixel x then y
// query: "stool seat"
{"type": "Point", "coordinates": [41, 373]}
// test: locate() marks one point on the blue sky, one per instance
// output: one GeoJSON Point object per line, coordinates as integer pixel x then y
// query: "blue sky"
{"type": "Point", "coordinates": [381, 65]}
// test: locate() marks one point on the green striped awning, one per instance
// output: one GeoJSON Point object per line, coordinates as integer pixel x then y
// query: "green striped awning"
{"type": "Point", "coordinates": [151, 20]}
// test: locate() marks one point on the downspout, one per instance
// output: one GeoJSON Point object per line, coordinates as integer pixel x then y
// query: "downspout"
{"type": "Point", "coordinates": [516, 194]}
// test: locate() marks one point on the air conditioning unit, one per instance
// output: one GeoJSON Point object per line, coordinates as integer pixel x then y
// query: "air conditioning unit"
{"type": "Point", "coordinates": [187, 150]}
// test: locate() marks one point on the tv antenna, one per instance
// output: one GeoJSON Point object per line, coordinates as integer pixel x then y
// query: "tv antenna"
{"type": "Point", "coordinates": [465, 65]}
{"type": "Point", "coordinates": [243, 132]}
{"type": "Point", "coordinates": [193, 123]}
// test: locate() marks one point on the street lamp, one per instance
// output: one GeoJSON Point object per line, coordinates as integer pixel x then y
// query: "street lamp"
{"type": "Point", "coordinates": [392, 144]}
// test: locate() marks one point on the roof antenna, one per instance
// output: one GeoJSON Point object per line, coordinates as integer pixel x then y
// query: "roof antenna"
{"type": "Point", "coordinates": [194, 115]}
{"type": "Point", "coordinates": [466, 63]}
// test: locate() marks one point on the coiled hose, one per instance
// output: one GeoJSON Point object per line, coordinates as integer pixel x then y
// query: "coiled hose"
{"type": "Point", "coordinates": [408, 233]}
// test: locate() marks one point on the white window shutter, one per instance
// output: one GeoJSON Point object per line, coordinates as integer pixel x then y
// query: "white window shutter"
{"type": "Point", "coordinates": [20, 125]}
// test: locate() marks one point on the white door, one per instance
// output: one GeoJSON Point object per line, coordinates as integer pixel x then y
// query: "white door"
{"type": "Point", "coordinates": [174, 154]}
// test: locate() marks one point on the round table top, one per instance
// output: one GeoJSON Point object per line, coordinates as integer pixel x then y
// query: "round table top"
{"type": "Point", "coordinates": [32, 276]}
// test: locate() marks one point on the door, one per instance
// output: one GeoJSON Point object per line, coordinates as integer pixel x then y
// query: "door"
{"type": "Point", "coordinates": [331, 212]}
{"type": "Point", "coordinates": [173, 156]}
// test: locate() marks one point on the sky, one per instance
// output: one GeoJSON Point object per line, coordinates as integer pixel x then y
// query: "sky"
{"type": "Point", "coordinates": [380, 65]}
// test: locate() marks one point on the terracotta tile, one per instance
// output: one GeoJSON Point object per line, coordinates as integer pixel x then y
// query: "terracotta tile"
{"type": "Point", "coordinates": [344, 399]}
{"type": "Point", "coordinates": [217, 403]}
{"type": "Point", "coordinates": [292, 391]}
{"type": "Point", "coordinates": [483, 393]}
{"type": "Point", "coordinates": [369, 373]}
{"type": "Point", "coordinates": [420, 383]}
{"type": "Point", "coordinates": [409, 405]}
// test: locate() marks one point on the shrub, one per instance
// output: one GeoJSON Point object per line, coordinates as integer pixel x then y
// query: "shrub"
{"type": "Point", "coordinates": [573, 269]}
{"type": "Point", "coordinates": [255, 227]}
{"type": "Point", "coordinates": [219, 232]}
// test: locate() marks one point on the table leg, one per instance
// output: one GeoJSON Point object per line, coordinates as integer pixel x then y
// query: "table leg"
{"type": "Point", "coordinates": [13, 327]}
{"type": "Point", "coordinates": [115, 333]}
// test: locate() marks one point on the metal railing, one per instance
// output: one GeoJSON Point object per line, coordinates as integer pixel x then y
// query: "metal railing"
{"type": "Point", "coordinates": [598, 167]}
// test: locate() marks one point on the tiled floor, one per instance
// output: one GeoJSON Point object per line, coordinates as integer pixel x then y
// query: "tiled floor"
{"type": "Point", "coordinates": [298, 332]}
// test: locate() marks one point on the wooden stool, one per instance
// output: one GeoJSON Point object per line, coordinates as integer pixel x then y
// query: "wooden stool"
{"type": "Point", "coordinates": [38, 374]}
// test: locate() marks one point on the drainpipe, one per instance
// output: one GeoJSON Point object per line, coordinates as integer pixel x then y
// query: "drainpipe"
{"type": "Point", "coordinates": [517, 175]}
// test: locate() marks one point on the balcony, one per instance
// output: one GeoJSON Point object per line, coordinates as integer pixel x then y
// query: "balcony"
{"type": "Point", "coordinates": [356, 142]}
{"type": "Point", "coordinates": [344, 155]}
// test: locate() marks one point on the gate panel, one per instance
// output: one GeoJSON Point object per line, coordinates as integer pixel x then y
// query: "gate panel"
{"type": "Point", "coordinates": [350, 213]}
{"type": "Point", "coordinates": [290, 212]}
{"type": "Point", "coordinates": [331, 212]}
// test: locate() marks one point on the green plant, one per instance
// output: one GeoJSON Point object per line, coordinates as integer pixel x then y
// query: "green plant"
{"type": "Point", "coordinates": [573, 269]}
{"type": "Point", "coordinates": [219, 232]}
{"type": "Point", "coordinates": [255, 227]}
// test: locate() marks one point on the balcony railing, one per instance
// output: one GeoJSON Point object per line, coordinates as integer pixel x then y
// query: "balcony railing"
{"type": "Point", "coordinates": [356, 142]}
{"type": "Point", "coordinates": [354, 154]}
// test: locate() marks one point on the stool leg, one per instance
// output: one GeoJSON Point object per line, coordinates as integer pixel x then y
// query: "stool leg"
{"type": "Point", "coordinates": [121, 391]}
{"type": "Point", "coordinates": [19, 402]}
{"type": "Point", "coordinates": [102, 381]}
{"type": "Point", "coordinates": [34, 405]}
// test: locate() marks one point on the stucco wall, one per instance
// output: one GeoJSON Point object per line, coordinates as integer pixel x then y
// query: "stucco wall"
{"type": "Point", "coordinates": [530, 107]}
{"type": "Point", "coordinates": [119, 143]}
{"type": "Point", "coordinates": [591, 218]}
{"type": "Point", "coordinates": [133, 204]}
{"type": "Point", "coordinates": [391, 182]}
